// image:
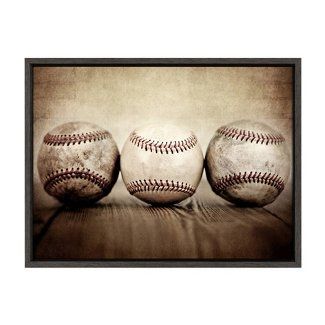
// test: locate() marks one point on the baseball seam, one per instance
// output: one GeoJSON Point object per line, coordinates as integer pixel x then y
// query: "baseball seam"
{"type": "Point", "coordinates": [163, 147]}
{"type": "Point", "coordinates": [155, 185]}
{"type": "Point", "coordinates": [67, 139]}
{"type": "Point", "coordinates": [62, 175]}
{"type": "Point", "coordinates": [247, 135]}
{"type": "Point", "coordinates": [251, 177]}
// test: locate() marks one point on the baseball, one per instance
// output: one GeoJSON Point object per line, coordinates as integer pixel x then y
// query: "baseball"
{"type": "Point", "coordinates": [247, 163]}
{"type": "Point", "coordinates": [78, 162]}
{"type": "Point", "coordinates": [161, 164]}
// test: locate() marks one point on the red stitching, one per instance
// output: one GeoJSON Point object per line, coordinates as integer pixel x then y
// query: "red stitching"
{"type": "Point", "coordinates": [61, 175]}
{"type": "Point", "coordinates": [67, 139]}
{"type": "Point", "coordinates": [243, 135]}
{"type": "Point", "coordinates": [159, 185]}
{"type": "Point", "coordinates": [163, 146]}
{"type": "Point", "coordinates": [256, 177]}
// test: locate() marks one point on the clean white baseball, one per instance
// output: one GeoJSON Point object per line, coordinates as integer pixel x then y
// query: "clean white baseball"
{"type": "Point", "coordinates": [161, 164]}
{"type": "Point", "coordinates": [78, 162]}
{"type": "Point", "coordinates": [247, 163]}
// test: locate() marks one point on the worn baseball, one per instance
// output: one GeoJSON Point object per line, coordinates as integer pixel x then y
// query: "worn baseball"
{"type": "Point", "coordinates": [247, 163]}
{"type": "Point", "coordinates": [78, 163]}
{"type": "Point", "coordinates": [161, 164]}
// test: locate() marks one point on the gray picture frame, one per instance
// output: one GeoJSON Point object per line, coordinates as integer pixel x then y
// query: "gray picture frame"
{"type": "Point", "coordinates": [295, 63]}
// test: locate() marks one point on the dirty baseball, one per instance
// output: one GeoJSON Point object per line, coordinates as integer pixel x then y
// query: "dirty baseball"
{"type": "Point", "coordinates": [78, 162]}
{"type": "Point", "coordinates": [247, 163]}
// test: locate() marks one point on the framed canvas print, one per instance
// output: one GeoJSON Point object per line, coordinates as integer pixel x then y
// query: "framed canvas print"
{"type": "Point", "coordinates": [163, 162]}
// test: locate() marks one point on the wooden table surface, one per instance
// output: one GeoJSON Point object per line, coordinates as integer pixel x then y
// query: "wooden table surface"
{"type": "Point", "coordinates": [122, 227]}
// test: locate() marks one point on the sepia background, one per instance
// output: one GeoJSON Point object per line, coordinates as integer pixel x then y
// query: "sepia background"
{"type": "Point", "coordinates": [121, 99]}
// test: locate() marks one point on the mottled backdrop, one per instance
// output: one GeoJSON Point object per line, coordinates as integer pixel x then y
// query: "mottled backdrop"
{"type": "Point", "coordinates": [203, 99]}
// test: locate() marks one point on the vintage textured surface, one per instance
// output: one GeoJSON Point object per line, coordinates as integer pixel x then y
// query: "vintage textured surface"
{"type": "Point", "coordinates": [161, 163]}
{"type": "Point", "coordinates": [78, 162]}
{"type": "Point", "coordinates": [247, 163]}
{"type": "Point", "coordinates": [201, 99]}
{"type": "Point", "coordinates": [120, 226]}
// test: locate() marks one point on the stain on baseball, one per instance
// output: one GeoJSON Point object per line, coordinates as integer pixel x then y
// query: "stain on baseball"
{"type": "Point", "coordinates": [78, 163]}
{"type": "Point", "coordinates": [161, 164]}
{"type": "Point", "coordinates": [247, 163]}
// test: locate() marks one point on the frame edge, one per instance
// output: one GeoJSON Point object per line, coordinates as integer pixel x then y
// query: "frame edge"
{"type": "Point", "coordinates": [31, 62]}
